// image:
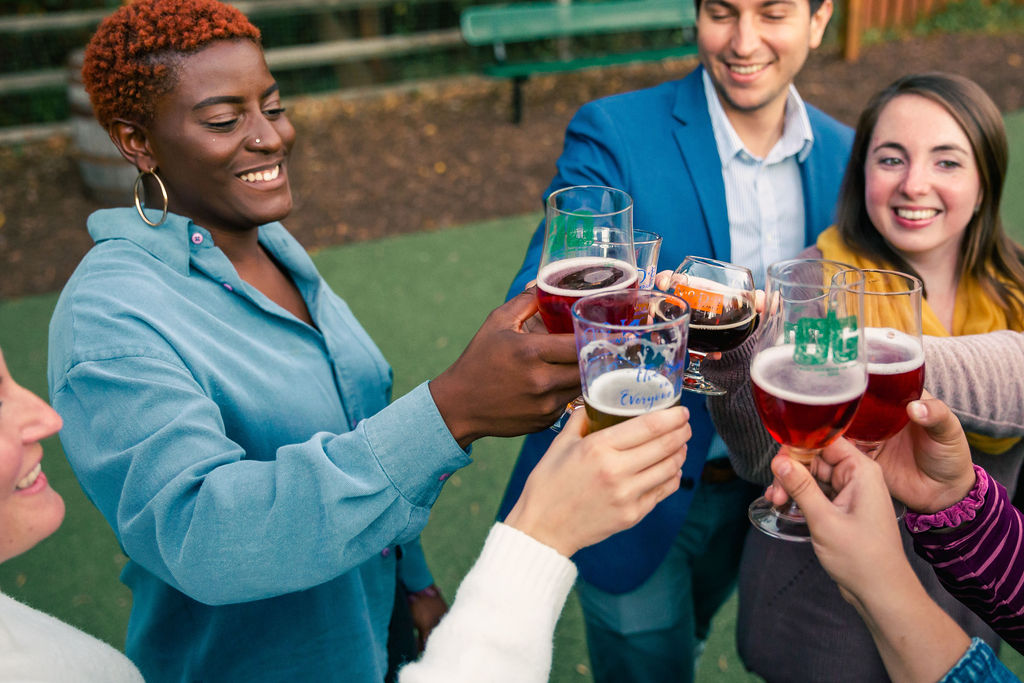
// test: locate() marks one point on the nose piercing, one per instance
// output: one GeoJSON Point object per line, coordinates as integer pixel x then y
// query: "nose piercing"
{"type": "Point", "coordinates": [257, 141]}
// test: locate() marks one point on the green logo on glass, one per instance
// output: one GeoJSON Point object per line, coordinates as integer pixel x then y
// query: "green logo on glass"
{"type": "Point", "coordinates": [572, 232]}
{"type": "Point", "coordinates": [815, 338]}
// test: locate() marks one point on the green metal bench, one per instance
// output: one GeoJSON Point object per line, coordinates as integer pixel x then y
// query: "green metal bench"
{"type": "Point", "coordinates": [521, 22]}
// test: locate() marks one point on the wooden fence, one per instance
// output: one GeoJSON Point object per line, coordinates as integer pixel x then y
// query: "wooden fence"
{"type": "Point", "coordinates": [864, 15]}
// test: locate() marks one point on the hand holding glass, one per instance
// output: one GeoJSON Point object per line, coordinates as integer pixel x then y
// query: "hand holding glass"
{"type": "Point", "coordinates": [808, 371]}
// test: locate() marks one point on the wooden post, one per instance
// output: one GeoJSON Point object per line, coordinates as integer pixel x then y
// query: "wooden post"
{"type": "Point", "coordinates": [854, 23]}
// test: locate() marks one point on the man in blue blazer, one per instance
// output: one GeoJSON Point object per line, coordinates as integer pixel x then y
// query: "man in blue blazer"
{"type": "Point", "coordinates": [728, 163]}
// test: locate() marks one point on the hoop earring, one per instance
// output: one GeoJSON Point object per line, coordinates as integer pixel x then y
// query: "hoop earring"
{"type": "Point", "coordinates": [139, 203]}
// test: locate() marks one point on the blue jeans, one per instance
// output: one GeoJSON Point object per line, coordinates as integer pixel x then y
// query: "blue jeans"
{"type": "Point", "coordinates": [979, 665]}
{"type": "Point", "coordinates": [651, 634]}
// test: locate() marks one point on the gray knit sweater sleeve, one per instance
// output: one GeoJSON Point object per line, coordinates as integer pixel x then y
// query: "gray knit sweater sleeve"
{"type": "Point", "coordinates": [751, 447]}
{"type": "Point", "coordinates": [981, 378]}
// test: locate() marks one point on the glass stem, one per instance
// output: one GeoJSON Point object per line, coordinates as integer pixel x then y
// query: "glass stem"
{"type": "Point", "coordinates": [695, 360]}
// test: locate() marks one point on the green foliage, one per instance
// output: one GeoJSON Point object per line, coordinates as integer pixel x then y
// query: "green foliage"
{"type": "Point", "coordinates": [974, 16]}
{"type": "Point", "coordinates": [41, 6]}
{"type": "Point", "coordinates": [964, 16]}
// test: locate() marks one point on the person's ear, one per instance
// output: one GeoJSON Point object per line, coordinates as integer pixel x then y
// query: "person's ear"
{"type": "Point", "coordinates": [819, 22]}
{"type": "Point", "coordinates": [132, 141]}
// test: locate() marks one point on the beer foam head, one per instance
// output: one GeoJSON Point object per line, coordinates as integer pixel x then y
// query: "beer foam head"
{"type": "Point", "coordinates": [891, 351]}
{"type": "Point", "coordinates": [631, 391]}
{"type": "Point", "coordinates": [552, 273]}
{"type": "Point", "coordinates": [776, 372]}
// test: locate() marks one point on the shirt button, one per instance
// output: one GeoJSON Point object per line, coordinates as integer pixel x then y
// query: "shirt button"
{"type": "Point", "coordinates": [444, 476]}
{"type": "Point", "coordinates": [197, 238]}
{"type": "Point", "coordinates": [385, 552]}
{"type": "Point", "coordinates": [228, 287]}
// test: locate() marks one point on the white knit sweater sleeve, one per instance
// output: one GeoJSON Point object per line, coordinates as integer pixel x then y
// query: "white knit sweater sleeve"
{"type": "Point", "coordinates": [501, 625]}
{"type": "Point", "coordinates": [38, 648]}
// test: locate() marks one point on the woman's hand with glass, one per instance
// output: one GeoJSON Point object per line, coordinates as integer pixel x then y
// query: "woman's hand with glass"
{"type": "Point", "coordinates": [857, 541]}
{"type": "Point", "coordinates": [809, 370]}
{"type": "Point", "coordinates": [591, 485]}
{"type": "Point", "coordinates": [928, 464]}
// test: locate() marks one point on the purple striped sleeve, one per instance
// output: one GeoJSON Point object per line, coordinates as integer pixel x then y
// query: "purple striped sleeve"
{"type": "Point", "coordinates": [980, 561]}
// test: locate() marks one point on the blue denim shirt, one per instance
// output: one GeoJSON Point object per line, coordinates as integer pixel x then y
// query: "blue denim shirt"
{"type": "Point", "coordinates": [250, 464]}
{"type": "Point", "coordinates": [979, 665]}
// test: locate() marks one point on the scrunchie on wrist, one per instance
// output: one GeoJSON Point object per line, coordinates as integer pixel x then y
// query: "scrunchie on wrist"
{"type": "Point", "coordinates": [956, 514]}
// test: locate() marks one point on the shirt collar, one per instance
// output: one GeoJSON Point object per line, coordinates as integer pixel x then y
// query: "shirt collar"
{"type": "Point", "coordinates": [178, 241]}
{"type": "Point", "coordinates": [797, 136]}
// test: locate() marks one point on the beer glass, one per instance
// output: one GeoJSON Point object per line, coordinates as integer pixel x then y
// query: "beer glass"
{"type": "Point", "coordinates": [808, 371]}
{"type": "Point", "coordinates": [631, 346]}
{"type": "Point", "coordinates": [722, 315]}
{"type": "Point", "coordinates": [895, 355]}
{"type": "Point", "coordinates": [647, 246]}
{"type": "Point", "coordinates": [588, 248]}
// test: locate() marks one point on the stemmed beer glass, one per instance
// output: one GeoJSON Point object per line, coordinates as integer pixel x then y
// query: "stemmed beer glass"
{"type": "Point", "coordinates": [588, 248]}
{"type": "Point", "coordinates": [722, 314]}
{"type": "Point", "coordinates": [808, 371]}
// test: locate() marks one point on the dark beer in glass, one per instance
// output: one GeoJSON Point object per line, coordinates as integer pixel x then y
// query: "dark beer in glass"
{"type": "Point", "coordinates": [721, 298]}
{"type": "Point", "coordinates": [722, 330]}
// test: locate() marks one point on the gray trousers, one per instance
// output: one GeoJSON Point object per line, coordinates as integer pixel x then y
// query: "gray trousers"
{"type": "Point", "coordinates": [793, 625]}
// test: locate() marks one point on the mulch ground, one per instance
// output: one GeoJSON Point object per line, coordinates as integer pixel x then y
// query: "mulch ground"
{"type": "Point", "coordinates": [372, 165]}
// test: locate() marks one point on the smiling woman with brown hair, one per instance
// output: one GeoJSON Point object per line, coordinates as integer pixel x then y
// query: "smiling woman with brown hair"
{"type": "Point", "coordinates": [223, 408]}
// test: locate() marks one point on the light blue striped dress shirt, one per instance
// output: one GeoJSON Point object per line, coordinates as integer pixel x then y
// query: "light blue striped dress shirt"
{"type": "Point", "coordinates": [764, 197]}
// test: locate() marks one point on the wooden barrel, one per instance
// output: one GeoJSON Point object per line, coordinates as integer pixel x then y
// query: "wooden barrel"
{"type": "Point", "coordinates": [107, 176]}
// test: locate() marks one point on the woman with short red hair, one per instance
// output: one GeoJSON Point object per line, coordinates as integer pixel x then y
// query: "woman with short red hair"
{"type": "Point", "coordinates": [224, 409]}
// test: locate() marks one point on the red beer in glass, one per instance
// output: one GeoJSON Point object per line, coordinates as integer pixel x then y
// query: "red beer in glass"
{"type": "Point", "coordinates": [809, 369]}
{"type": "Point", "coordinates": [561, 283]}
{"type": "Point", "coordinates": [895, 378]}
{"type": "Point", "coordinates": [895, 355]}
{"type": "Point", "coordinates": [588, 249]}
{"type": "Point", "coordinates": [805, 408]}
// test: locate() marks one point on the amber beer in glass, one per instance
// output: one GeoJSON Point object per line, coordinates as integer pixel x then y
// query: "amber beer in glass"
{"type": "Point", "coordinates": [631, 346]}
{"type": "Point", "coordinates": [588, 249]}
{"type": "Point", "coordinates": [809, 369]}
